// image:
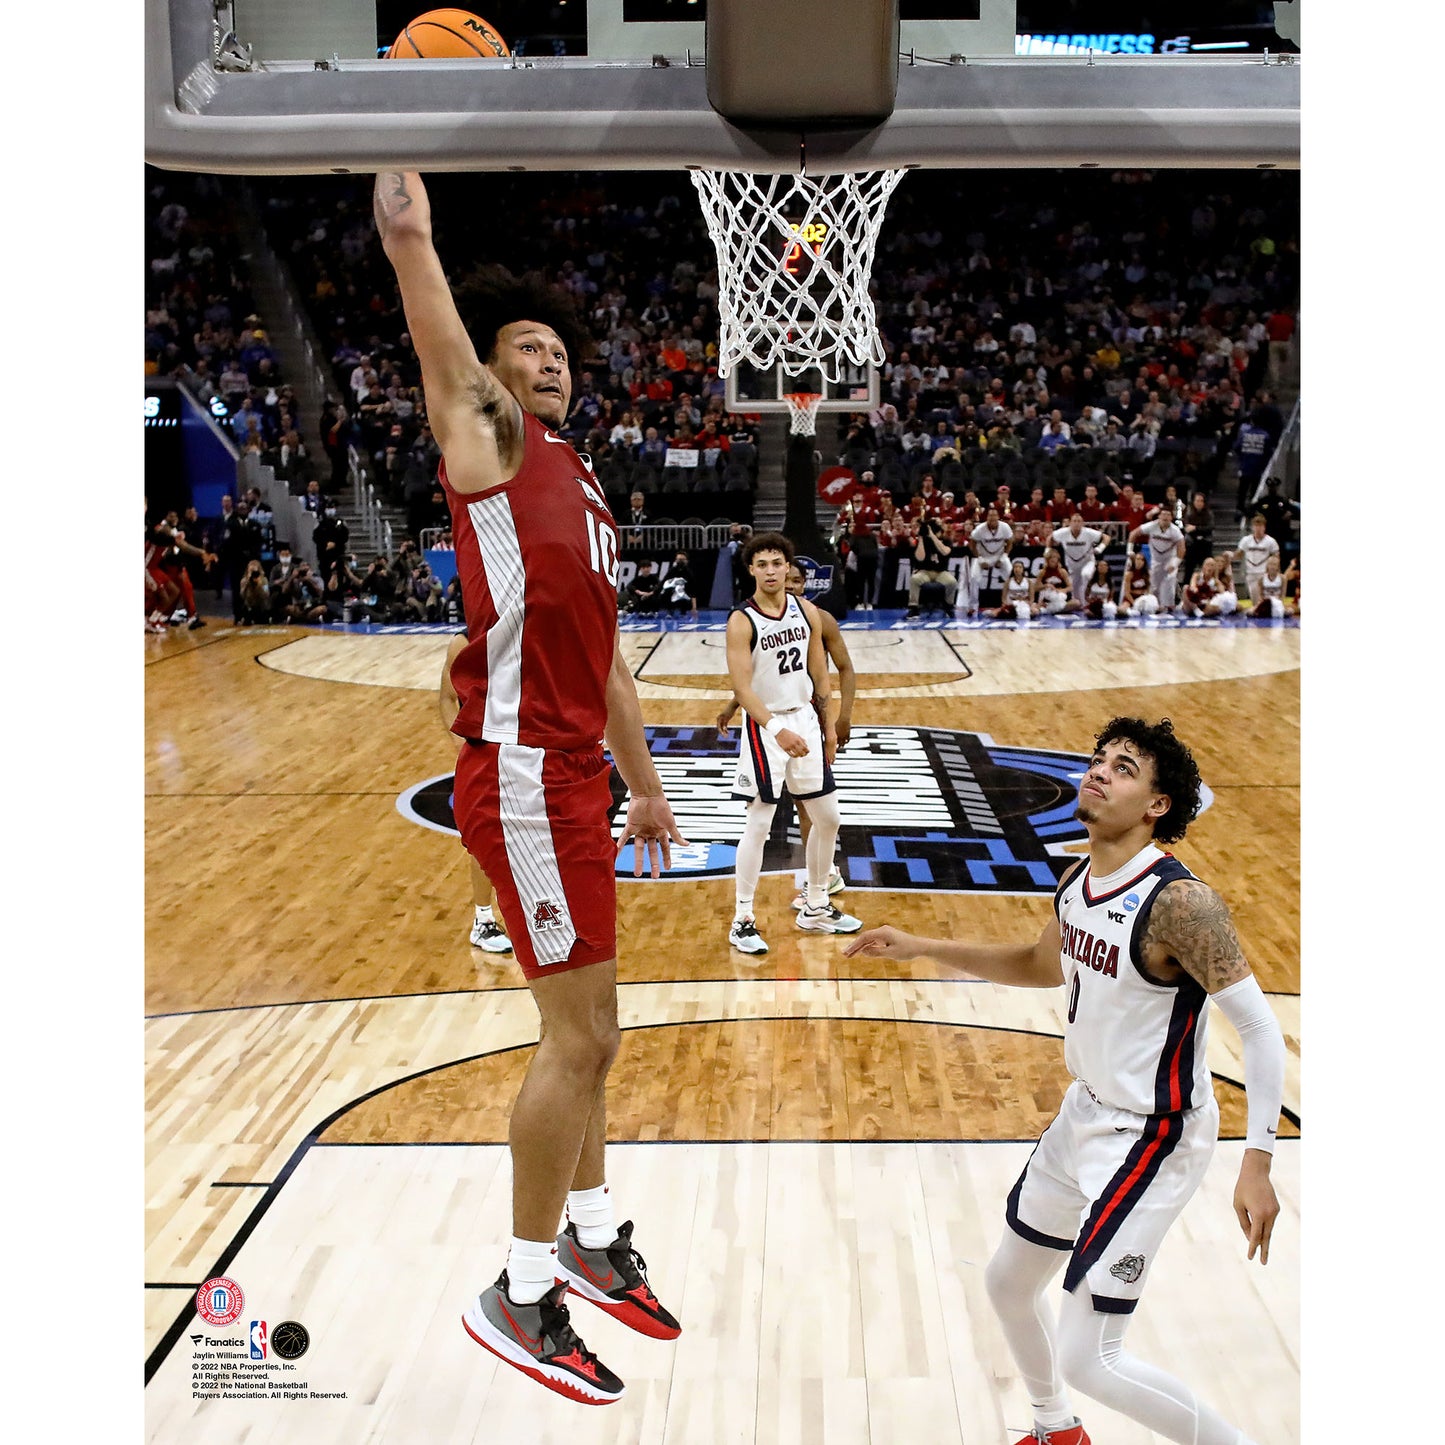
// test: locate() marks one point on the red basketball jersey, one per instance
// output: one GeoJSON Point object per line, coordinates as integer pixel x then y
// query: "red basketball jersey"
{"type": "Point", "coordinates": [537, 557]}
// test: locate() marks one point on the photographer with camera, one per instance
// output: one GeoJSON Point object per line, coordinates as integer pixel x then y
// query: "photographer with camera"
{"type": "Point", "coordinates": [930, 562]}
{"type": "Point", "coordinates": [304, 597]}
{"type": "Point", "coordinates": [253, 600]}
{"type": "Point", "coordinates": [343, 588]}
{"type": "Point", "coordinates": [377, 599]}
{"type": "Point", "coordinates": [426, 593]}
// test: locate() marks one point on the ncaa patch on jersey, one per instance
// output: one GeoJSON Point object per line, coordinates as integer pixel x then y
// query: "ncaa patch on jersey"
{"type": "Point", "coordinates": [931, 809]}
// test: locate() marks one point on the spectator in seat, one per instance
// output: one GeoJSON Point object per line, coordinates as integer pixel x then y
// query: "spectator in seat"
{"type": "Point", "coordinates": [312, 500]}
{"type": "Point", "coordinates": [644, 592]}
{"type": "Point", "coordinates": [1093, 509]}
{"type": "Point", "coordinates": [678, 593]}
{"type": "Point", "coordinates": [637, 516]}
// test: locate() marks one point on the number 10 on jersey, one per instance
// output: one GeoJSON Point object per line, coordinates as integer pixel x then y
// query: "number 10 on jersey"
{"type": "Point", "coordinates": [602, 545]}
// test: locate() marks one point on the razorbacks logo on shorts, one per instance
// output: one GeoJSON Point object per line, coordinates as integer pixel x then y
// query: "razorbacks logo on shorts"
{"type": "Point", "coordinates": [1128, 1269]}
{"type": "Point", "coordinates": [546, 914]}
{"type": "Point", "coordinates": [931, 809]}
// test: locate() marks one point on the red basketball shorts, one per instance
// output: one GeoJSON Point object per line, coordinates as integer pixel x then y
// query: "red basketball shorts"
{"type": "Point", "coordinates": [536, 821]}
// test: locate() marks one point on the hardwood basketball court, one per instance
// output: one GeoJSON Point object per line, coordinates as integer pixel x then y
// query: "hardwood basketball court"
{"type": "Point", "coordinates": [816, 1149]}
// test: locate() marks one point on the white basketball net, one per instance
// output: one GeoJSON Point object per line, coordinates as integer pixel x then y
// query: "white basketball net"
{"type": "Point", "coordinates": [803, 412]}
{"type": "Point", "coordinates": [794, 255]}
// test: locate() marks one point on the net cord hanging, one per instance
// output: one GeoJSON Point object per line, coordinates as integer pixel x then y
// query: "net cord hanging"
{"type": "Point", "coordinates": [795, 253]}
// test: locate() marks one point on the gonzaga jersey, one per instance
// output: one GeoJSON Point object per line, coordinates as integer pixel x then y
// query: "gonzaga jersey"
{"type": "Point", "coordinates": [537, 558]}
{"type": "Point", "coordinates": [780, 655]}
{"type": "Point", "coordinates": [1133, 1043]}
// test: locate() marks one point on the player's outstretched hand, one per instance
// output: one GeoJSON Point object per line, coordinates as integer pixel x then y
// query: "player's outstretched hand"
{"type": "Point", "coordinates": [652, 830]}
{"type": "Point", "coordinates": [1255, 1206]}
{"type": "Point", "coordinates": [885, 942]}
{"type": "Point", "coordinates": [792, 743]}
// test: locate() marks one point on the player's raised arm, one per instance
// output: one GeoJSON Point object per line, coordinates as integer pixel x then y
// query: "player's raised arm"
{"type": "Point", "coordinates": [1192, 923]}
{"type": "Point", "coordinates": [1024, 965]}
{"type": "Point", "coordinates": [476, 421]}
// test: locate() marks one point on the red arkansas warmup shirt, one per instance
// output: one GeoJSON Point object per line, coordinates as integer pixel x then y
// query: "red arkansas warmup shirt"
{"type": "Point", "coordinates": [537, 557]}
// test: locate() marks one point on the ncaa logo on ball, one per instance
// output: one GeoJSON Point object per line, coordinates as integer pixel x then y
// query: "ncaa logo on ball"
{"type": "Point", "coordinates": [219, 1301]}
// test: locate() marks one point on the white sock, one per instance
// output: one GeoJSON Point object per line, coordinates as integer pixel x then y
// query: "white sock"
{"type": "Point", "coordinates": [750, 855]}
{"type": "Point", "coordinates": [484, 913]}
{"type": "Point", "coordinates": [531, 1269]}
{"type": "Point", "coordinates": [591, 1211]}
{"type": "Point", "coordinates": [822, 840]}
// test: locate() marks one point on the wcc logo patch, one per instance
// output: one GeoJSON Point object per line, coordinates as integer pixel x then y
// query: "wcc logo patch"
{"type": "Point", "coordinates": [931, 809]}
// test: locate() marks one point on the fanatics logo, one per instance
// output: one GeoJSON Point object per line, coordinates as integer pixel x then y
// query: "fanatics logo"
{"type": "Point", "coordinates": [546, 914]}
{"type": "Point", "coordinates": [1129, 1268]}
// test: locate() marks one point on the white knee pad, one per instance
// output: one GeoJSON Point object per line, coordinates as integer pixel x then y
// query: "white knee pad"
{"type": "Point", "coordinates": [1021, 611]}
{"type": "Point", "coordinates": [1147, 605]}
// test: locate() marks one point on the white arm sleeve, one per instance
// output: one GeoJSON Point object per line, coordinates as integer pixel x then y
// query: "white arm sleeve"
{"type": "Point", "coordinates": [1244, 1005]}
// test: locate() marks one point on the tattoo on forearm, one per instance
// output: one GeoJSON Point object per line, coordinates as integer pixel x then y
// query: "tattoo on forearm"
{"type": "Point", "coordinates": [1191, 921]}
{"type": "Point", "coordinates": [390, 199]}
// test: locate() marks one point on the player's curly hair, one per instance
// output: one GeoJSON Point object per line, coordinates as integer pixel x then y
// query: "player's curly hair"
{"type": "Point", "coordinates": [769, 542]}
{"type": "Point", "coordinates": [491, 297]}
{"type": "Point", "coordinates": [1175, 771]}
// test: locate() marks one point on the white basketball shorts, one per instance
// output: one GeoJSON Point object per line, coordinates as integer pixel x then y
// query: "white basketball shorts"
{"type": "Point", "coordinates": [764, 768]}
{"type": "Point", "coordinates": [1105, 1184]}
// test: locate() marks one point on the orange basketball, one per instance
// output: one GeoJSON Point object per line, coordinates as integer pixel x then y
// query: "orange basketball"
{"type": "Point", "coordinates": [447, 35]}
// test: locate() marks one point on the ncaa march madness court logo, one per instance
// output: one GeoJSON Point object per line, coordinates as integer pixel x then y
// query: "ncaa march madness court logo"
{"type": "Point", "coordinates": [926, 808]}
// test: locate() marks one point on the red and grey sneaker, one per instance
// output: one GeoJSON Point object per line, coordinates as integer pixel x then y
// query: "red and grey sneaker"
{"type": "Point", "coordinates": [615, 1279]}
{"type": "Point", "coordinates": [1074, 1434]}
{"type": "Point", "coordinates": [538, 1339]}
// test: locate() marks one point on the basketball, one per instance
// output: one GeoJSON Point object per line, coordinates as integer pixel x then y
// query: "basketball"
{"type": "Point", "coordinates": [447, 35]}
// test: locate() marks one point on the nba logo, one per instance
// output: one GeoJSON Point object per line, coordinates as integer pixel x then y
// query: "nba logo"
{"type": "Point", "coordinates": [258, 1339]}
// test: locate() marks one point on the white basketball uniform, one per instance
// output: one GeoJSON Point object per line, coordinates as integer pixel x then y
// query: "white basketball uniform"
{"type": "Point", "coordinates": [1016, 595]}
{"type": "Point", "coordinates": [1256, 553]}
{"type": "Point", "coordinates": [1271, 596]}
{"type": "Point", "coordinates": [1163, 537]}
{"type": "Point", "coordinates": [1136, 1130]}
{"type": "Point", "coordinates": [784, 686]}
{"type": "Point", "coordinates": [1078, 555]}
{"type": "Point", "coordinates": [991, 565]}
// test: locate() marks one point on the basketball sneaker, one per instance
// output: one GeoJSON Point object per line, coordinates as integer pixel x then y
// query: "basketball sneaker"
{"type": "Point", "coordinates": [836, 884]}
{"type": "Point", "coordinates": [1074, 1434]}
{"type": "Point", "coordinates": [744, 936]}
{"type": "Point", "coordinates": [538, 1339]}
{"type": "Point", "coordinates": [615, 1279]}
{"type": "Point", "coordinates": [827, 920]}
{"type": "Point", "coordinates": [486, 935]}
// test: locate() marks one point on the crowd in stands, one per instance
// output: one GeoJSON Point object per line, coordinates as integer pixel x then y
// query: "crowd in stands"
{"type": "Point", "coordinates": [1101, 343]}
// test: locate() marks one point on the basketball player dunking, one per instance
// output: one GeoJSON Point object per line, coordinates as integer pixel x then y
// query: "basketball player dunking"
{"type": "Point", "coordinates": [539, 684]}
{"type": "Point", "coordinates": [779, 674]}
{"type": "Point", "coordinates": [1144, 948]}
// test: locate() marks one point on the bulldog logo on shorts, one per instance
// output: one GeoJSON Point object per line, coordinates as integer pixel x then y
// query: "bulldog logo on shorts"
{"type": "Point", "coordinates": [1129, 1268]}
{"type": "Point", "coordinates": [546, 914]}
